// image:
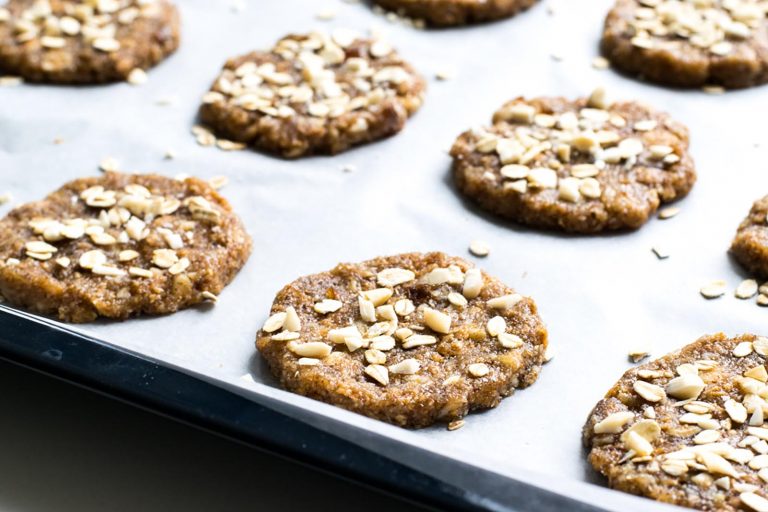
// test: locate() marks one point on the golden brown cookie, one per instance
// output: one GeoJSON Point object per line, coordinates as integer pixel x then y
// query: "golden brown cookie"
{"type": "Point", "coordinates": [120, 245]}
{"type": "Point", "coordinates": [750, 246]}
{"type": "Point", "coordinates": [689, 43]}
{"type": "Point", "coordinates": [582, 166]}
{"type": "Point", "coordinates": [443, 13]}
{"type": "Point", "coordinates": [689, 428]}
{"type": "Point", "coordinates": [411, 339]}
{"type": "Point", "coordinates": [313, 94]}
{"type": "Point", "coordinates": [77, 42]}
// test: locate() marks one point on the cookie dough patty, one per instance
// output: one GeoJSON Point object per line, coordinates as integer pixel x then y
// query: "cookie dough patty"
{"type": "Point", "coordinates": [689, 428]}
{"type": "Point", "coordinates": [79, 42]}
{"type": "Point", "coordinates": [582, 166]}
{"type": "Point", "coordinates": [444, 13]}
{"type": "Point", "coordinates": [313, 94]}
{"type": "Point", "coordinates": [411, 339]}
{"type": "Point", "coordinates": [120, 245]}
{"type": "Point", "coordinates": [750, 246]}
{"type": "Point", "coordinates": [688, 43]}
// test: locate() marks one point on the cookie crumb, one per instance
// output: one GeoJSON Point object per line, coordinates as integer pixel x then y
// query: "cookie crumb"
{"type": "Point", "coordinates": [714, 289]}
{"type": "Point", "coordinates": [479, 248]}
{"type": "Point", "coordinates": [169, 154]}
{"type": "Point", "coordinates": [600, 63]}
{"type": "Point", "coordinates": [456, 425]}
{"type": "Point", "coordinates": [137, 77]}
{"type": "Point", "coordinates": [5, 198]}
{"type": "Point", "coordinates": [669, 212]}
{"type": "Point", "coordinates": [58, 140]}
{"type": "Point", "coordinates": [747, 289]}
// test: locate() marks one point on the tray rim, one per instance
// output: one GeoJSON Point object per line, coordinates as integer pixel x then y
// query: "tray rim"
{"type": "Point", "coordinates": [85, 361]}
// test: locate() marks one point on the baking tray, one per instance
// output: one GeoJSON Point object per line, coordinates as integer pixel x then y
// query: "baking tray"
{"type": "Point", "coordinates": [599, 296]}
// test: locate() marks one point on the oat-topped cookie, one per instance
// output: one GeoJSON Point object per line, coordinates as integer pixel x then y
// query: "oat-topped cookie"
{"type": "Point", "coordinates": [690, 43]}
{"type": "Point", "coordinates": [689, 428]}
{"type": "Point", "coordinates": [444, 13]}
{"type": "Point", "coordinates": [120, 245]}
{"type": "Point", "coordinates": [314, 94]}
{"type": "Point", "coordinates": [411, 339]}
{"type": "Point", "coordinates": [85, 41]}
{"type": "Point", "coordinates": [583, 166]}
{"type": "Point", "coordinates": [750, 246]}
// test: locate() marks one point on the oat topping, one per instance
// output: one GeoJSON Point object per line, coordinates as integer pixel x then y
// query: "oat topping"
{"type": "Point", "coordinates": [320, 76]}
{"type": "Point", "coordinates": [716, 26]}
{"type": "Point", "coordinates": [94, 23]}
{"type": "Point", "coordinates": [382, 320]}
{"type": "Point", "coordinates": [707, 424]}
{"type": "Point", "coordinates": [586, 141]}
{"type": "Point", "coordinates": [119, 218]}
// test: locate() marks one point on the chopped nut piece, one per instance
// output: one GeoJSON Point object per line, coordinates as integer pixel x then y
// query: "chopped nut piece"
{"type": "Point", "coordinates": [747, 289]}
{"type": "Point", "coordinates": [316, 349]}
{"type": "Point", "coordinates": [378, 373]}
{"type": "Point", "coordinates": [405, 367]}
{"type": "Point", "coordinates": [669, 212]}
{"type": "Point", "coordinates": [394, 276]}
{"type": "Point", "coordinates": [326, 306]}
{"type": "Point", "coordinates": [479, 248]}
{"type": "Point", "coordinates": [613, 423]}
{"type": "Point", "coordinates": [648, 391]}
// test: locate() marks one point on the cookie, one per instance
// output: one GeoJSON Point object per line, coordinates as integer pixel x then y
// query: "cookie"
{"type": "Point", "coordinates": [688, 428]}
{"type": "Point", "coordinates": [313, 94]}
{"type": "Point", "coordinates": [689, 43]}
{"type": "Point", "coordinates": [582, 166]}
{"type": "Point", "coordinates": [120, 245]}
{"type": "Point", "coordinates": [76, 42]}
{"type": "Point", "coordinates": [411, 339]}
{"type": "Point", "coordinates": [750, 246]}
{"type": "Point", "coordinates": [444, 13]}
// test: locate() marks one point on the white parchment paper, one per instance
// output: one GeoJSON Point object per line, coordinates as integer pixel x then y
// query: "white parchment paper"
{"type": "Point", "coordinates": [599, 296]}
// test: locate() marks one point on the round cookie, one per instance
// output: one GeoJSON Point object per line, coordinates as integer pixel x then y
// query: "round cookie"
{"type": "Point", "coordinates": [444, 13]}
{"type": "Point", "coordinates": [76, 42]}
{"type": "Point", "coordinates": [313, 94]}
{"type": "Point", "coordinates": [582, 166]}
{"type": "Point", "coordinates": [689, 43]}
{"type": "Point", "coordinates": [120, 245]}
{"type": "Point", "coordinates": [688, 428]}
{"type": "Point", "coordinates": [411, 339]}
{"type": "Point", "coordinates": [750, 246]}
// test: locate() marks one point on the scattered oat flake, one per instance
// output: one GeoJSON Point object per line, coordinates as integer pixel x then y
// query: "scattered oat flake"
{"type": "Point", "coordinates": [165, 101]}
{"type": "Point", "coordinates": [660, 253]}
{"type": "Point", "coordinates": [713, 289]}
{"type": "Point", "coordinates": [137, 76]}
{"type": "Point", "coordinates": [229, 145]}
{"type": "Point", "coordinates": [109, 164]}
{"type": "Point", "coordinates": [326, 14]}
{"type": "Point", "coordinates": [445, 73]}
{"type": "Point", "coordinates": [669, 212]}
{"type": "Point", "coordinates": [218, 182]}
{"type": "Point", "coordinates": [169, 154]}
{"type": "Point", "coordinates": [479, 248]}
{"type": "Point", "coordinates": [637, 354]}
{"type": "Point", "coordinates": [713, 89]}
{"type": "Point", "coordinates": [556, 56]}
{"type": "Point", "coordinates": [600, 63]}
{"type": "Point", "coordinates": [348, 168]}
{"type": "Point", "coordinates": [247, 378]}
{"type": "Point", "coordinates": [10, 81]}
{"type": "Point", "coordinates": [747, 289]}
{"type": "Point", "coordinates": [456, 425]}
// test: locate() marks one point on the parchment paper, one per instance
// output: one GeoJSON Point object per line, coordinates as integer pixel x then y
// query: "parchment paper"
{"type": "Point", "coordinates": [599, 296]}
